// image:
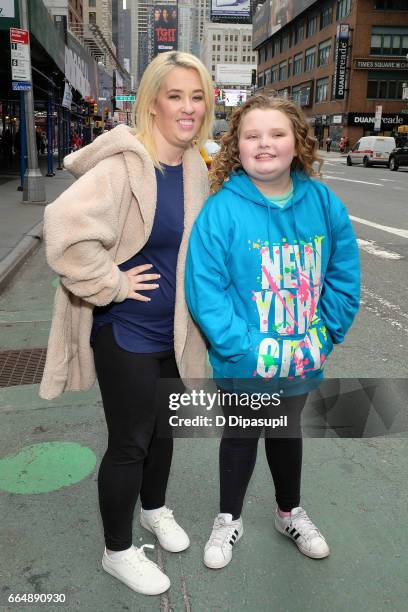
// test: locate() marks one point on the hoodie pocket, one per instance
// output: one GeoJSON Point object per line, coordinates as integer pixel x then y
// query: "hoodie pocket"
{"type": "Point", "coordinates": [282, 356]}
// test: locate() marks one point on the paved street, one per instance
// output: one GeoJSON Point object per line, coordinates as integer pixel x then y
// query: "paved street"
{"type": "Point", "coordinates": [354, 489]}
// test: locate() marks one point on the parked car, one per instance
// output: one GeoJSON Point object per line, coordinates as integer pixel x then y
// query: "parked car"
{"type": "Point", "coordinates": [371, 150]}
{"type": "Point", "coordinates": [398, 157]}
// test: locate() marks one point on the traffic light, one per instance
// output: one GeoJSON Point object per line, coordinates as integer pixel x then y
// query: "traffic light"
{"type": "Point", "coordinates": [106, 113]}
{"type": "Point", "coordinates": [94, 109]}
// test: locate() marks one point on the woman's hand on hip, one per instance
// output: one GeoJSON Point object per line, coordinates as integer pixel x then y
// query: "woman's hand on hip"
{"type": "Point", "coordinates": [137, 282]}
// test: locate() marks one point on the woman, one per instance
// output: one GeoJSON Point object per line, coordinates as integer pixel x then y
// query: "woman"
{"type": "Point", "coordinates": [118, 239]}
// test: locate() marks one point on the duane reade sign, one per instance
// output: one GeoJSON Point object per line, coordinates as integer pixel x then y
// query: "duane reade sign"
{"type": "Point", "coordinates": [234, 74]}
{"type": "Point", "coordinates": [340, 61]}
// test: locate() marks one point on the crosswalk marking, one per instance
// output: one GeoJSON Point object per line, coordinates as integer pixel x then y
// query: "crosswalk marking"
{"type": "Point", "coordinates": [385, 228]}
{"type": "Point", "coordinates": [370, 247]}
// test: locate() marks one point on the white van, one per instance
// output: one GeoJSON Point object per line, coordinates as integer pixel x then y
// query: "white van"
{"type": "Point", "coordinates": [371, 150]}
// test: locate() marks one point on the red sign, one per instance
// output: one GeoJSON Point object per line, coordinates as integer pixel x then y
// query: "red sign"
{"type": "Point", "coordinates": [19, 36]}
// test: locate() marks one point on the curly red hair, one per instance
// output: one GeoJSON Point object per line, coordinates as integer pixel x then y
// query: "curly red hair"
{"type": "Point", "coordinates": [227, 159]}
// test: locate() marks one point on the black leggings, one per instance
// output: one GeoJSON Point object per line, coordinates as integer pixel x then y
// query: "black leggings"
{"type": "Point", "coordinates": [237, 460]}
{"type": "Point", "coordinates": [137, 461]}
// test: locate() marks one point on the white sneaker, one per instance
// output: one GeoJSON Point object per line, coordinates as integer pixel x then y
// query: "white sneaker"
{"type": "Point", "coordinates": [169, 533]}
{"type": "Point", "coordinates": [137, 571]}
{"type": "Point", "coordinates": [303, 532]}
{"type": "Point", "coordinates": [225, 533]}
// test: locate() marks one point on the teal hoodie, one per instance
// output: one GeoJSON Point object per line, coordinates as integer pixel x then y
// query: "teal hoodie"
{"type": "Point", "coordinates": [271, 287]}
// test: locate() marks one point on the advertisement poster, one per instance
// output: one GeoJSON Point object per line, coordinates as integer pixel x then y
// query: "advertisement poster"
{"type": "Point", "coordinates": [165, 28]}
{"type": "Point", "coordinates": [230, 8]}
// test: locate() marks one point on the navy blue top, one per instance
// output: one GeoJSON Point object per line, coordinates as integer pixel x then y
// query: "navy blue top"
{"type": "Point", "coordinates": [148, 327]}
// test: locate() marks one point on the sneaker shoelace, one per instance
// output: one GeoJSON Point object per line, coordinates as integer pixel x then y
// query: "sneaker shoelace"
{"type": "Point", "coordinates": [221, 533]}
{"type": "Point", "coordinates": [165, 521]}
{"type": "Point", "coordinates": [305, 526]}
{"type": "Point", "coordinates": [141, 554]}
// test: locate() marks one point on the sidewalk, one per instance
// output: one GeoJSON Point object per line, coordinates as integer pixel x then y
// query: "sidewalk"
{"type": "Point", "coordinates": [50, 530]}
{"type": "Point", "coordinates": [21, 223]}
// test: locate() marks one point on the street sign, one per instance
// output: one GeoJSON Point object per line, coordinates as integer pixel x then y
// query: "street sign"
{"type": "Point", "coordinates": [377, 118]}
{"type": "Point", "coordinates": [21, 86]}
{"type": "Point", "coordinates": [7, 8]}
{"type": "Point", "coordinates": [125, 98]}
{"type": "Point", "coordinates": [20, 55]}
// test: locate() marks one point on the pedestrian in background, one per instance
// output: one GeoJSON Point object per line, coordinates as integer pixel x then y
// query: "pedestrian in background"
{"type": "Point", "coordinates": [328, 144]}
{"type": "Point", "coordinates": [118, 239]}
{"type": "Point", "coordinates": [272, 278]}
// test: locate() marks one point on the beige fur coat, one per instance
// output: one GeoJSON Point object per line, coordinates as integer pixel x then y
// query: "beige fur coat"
{"type": "Point", "coordinates": [102, 220]}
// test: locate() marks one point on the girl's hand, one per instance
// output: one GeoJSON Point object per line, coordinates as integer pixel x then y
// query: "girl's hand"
{"type": "Point", "coordinates": [137, 282]}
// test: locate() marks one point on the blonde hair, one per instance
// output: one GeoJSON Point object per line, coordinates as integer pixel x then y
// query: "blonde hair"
{"type": "Point", "coordinates": [228, 160]}
{"type": "Point", "coordinates": [149, 87]}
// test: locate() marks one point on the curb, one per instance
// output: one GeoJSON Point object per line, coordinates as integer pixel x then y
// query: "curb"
{"type": "Point", "coordinates": [10, 265]}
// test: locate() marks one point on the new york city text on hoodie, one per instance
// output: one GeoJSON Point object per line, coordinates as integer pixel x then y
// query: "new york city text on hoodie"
{"type": "Point", "coordinates": [272, 287]}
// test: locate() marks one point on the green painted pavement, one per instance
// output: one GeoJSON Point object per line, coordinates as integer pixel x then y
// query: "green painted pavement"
{"type": "Point", "coordinates": [45, 467]}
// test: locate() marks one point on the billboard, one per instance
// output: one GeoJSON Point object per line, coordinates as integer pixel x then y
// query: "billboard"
{"type": "Point", "coordinates": [231, 10]}
{"type": "Point", "coordinates": [165, 28]}
{"type": "Point", "coordinates": [234, 74]}
{"type": "Point", "coordinates": [272, 15]}
{"type": "Point", "coordinates": [234, 97]}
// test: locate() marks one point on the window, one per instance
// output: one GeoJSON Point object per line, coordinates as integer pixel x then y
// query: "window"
{"type": "Point", "coordinates": [326, 16]}
{"type": "Point", "coordinates": [297, 64]}
{"type": "Point", "coordinates": [299, 33]}
{"type": "Point", "coordinates": [311, 25]}
{"type": "Point", "coordinates": [388, 88]}
{"type": "Point", "coordinates": [310, 58]}
{"type": "Point", "coordinates": [261, 79]}
{"type": "Point", "coordinates": [92, 3]}
{"type": "Point", "coordinates": [322, 86]}
{"type": "Point", "coordinates": [275, 73]}
{"type": "Point", "coordinates": [282, 71]}
{"type": "Point", "coordinates": [92, 18]}
{"type": "Point", "coordinates": [372, 89]}
{"type": "Point", "coordinates": [285, 42]}
{"type": "Point", "coordinates": [270, 50]}
{"type": "Point", "coordinates": [277, 46]}
{"type": "Point", "coordinates": [390, 5]}
{"type": "Point", "coordinates": [343, 8]}
{"type": "Point", "coordinates": [267, 77]}
{"type": "Point", "coordinates": [324, 53]}
{"type": "Point", "coordinates": [301, 94]}
{"type": "Point", "coordinates": [389, 41]}
{"type": "Point", "coordinates": [244, 37]}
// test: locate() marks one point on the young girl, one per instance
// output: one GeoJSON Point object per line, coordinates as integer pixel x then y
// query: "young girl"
{"type": "Point", "coordinates": [272, 278]}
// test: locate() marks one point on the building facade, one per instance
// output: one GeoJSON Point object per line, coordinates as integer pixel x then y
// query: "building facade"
{"type": "Point", "coordinates": [227, 43]}
{"type": "Point", "coordinates": [340, 60]}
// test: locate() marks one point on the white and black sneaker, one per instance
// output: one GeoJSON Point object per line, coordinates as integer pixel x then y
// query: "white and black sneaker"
{"type": "Point", "coordinates": [225, 533]}
{"type": "Point", "coordinates": [303, 532]}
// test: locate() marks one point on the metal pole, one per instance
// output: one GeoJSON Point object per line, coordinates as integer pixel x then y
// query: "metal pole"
{"type": "Point", "coordinates": [34, 186]}
{"type": "Point", "coordinates": [50, 137]}
{"type": "Point", "coordinates": [59, 137]}
{"type": "Point", "coordinates": [23, 142]}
